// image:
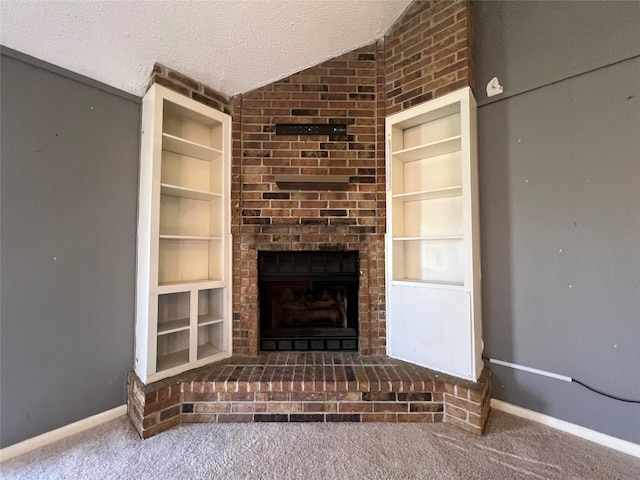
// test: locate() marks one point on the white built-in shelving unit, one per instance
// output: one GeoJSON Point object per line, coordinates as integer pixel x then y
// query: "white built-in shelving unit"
{"type": "Point", "coordinates": [432, 244]}
{"type": "Point", "coordinates": [183, 293]}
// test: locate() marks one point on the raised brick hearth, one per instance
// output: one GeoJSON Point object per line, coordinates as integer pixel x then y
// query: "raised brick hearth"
{"type": "Point", "coordinates": [309, 387]}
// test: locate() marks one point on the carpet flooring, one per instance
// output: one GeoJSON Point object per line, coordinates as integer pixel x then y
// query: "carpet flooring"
{"type": "Point", "coordinates": [513, 448]}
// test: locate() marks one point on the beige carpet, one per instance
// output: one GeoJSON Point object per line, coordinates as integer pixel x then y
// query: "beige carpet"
{"type": "Point", "coordinates": [513, 448]}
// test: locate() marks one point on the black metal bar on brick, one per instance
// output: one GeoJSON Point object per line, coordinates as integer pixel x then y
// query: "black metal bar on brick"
{"type": "Point", "coordinates": [310, 129]}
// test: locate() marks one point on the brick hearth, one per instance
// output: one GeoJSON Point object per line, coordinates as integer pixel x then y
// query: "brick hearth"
{"type": "Point", "coordinates": [309, 387]}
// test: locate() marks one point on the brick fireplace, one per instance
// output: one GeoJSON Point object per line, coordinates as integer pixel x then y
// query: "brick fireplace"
{"type": "Point", "coordinates": [267, 217]}
{"type": "Point", "coordinates": [426, 54]}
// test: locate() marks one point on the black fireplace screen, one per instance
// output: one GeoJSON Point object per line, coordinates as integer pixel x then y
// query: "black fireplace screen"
{"type": "Point", "coordinates": [308, 300]}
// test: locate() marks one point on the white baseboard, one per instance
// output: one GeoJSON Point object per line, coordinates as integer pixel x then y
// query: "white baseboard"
{"type": "Point", "coordinates": [586, 433]}
{"type": "Point", "coordinates": [60, 433]}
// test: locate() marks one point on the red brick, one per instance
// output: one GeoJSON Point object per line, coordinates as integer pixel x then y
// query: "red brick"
{"type": "Point", "coordinates": [390, 407]}
{"type": "Point", "coordinates": [476, 396]}
{"type": "Point", "coordinates": [235, 418]}
{"type": "Point", "coordinates": [425, 407]}
{"type": "Point", "coordinates": [463, 404]}
{"type": "Point", "coordinates": [169, 413]}
{"type": "Point", "coordinates": [456, 412]}
{"type": "Point", "coordinates": [356, 407]}
{"type": "Point", "coordinates": [199, 418]}
{"type": "Point", "coordinates": [379, 417]}
{"type": "Point", "coordinates": [149, 421]}
{"type": "Point", "coordinates": [463, 425]}
{"type": "Point", "coordinates": [248, 407]}
{"type": "Point", "coordinates": [308, 396]}
{"type": "Point", "coordinates": [164, 393]}
{"type": "Point", "coordinates": [415, 417]}
{"type": "Point", "coordinates": [211, 408]}
{"type": "Point", "coordinates": [161, 427]}
{"type": "Point", "coordinates": [151, 397]}
{"type": "Point", "coordinates": [476, 420]}
{"type": "Point", "coordinates": [287, 407]}
{"type": "Point", "coordinates": [161, 405]}
{"type": "Point", "coordinates": [344, 396]}
{"type": "Point", "coordinates": [237, 397]}
{"type": "Point", "coordinates": [279, 397]}
{"type": "Point", "coordinates": [319, 407]}
{"type": "Point", "coordinates": [200, 397]}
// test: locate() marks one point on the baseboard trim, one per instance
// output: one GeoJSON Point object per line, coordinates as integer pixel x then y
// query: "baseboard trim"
{"type": "Point", "coordinates": [60, 433]}
{"type": "Point", "coordinates": [623, 446]}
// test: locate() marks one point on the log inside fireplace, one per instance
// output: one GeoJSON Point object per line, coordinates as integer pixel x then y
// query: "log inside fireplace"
{"type": "Point", "coordinates": [308, 300]}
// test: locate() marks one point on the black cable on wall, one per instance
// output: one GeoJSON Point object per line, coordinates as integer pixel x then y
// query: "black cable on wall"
{"type": "Point", "coordinates": [557, 377]}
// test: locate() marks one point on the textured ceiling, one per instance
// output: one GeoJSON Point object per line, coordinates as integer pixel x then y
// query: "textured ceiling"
{"type": "Point", "coordinates": [233, 46]}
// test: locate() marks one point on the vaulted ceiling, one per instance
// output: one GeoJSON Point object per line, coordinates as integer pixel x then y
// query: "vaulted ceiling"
{"type": "Point", "coordinates": [232, 46]}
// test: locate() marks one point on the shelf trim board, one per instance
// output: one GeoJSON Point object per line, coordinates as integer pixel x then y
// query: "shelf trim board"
{"type": "Point", "coordinates": [429, 150]}
{"type": "Point", "coordinates": [182, 146]}
{"type": "Point", "coordinates": [188, 237]}
{"type": "Point", "coordinates": [185, 285]}
{"type": "Point", "coordinates": [430, 284]}
{"type": "Point", "coordinates": [213, 321]}
{"type": "Point", "coordinates": [437, 193]}
{"type": "Point", "coordinates": [177, 287]}
{"type": "Point", "coordinates": [442, 109]}
{"type": "Point", "coordinates": [184, 192]}
{"type": "Point", "coordinates": [172, 326]}
{"type": "Point", "coordinates": [428, 238]}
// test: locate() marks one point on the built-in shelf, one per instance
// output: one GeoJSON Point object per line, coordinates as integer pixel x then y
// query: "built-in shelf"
{"type": "Point", "coordinates": [207, 350]}
{"type": "Point", "coordinates": [433, 284]}
{"type": "Point", "coordinates": [175, 287]}
{"type": "Point", "coordinates": [187, 237]}
{"type": "Point", "coordinates": [312, 182]}
{"type": "Point", "coordinates": [433, 149]}
{"type": "Point", "coordinates": [177, 191]}
{"type": "Point", "coordinates": [183, 294]}
{"type": "Point", "coordinates": [189, 148]}
{"type": "Point", "coordinates": [204, 320]}
{"type": "Point", "coordinates": [430, 238]}
{"type": "Point", "coordinates": [173, 326]}
{"type": "Point", "coordinates": [454, 191]}
{"type": "Point", "coordinates": [172, 360]}
{"type": "Point", "coordinates": [431, 247]}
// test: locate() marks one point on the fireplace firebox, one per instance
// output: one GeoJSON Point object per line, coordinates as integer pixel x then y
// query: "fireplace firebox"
{"type": "Point", "coordinates": [308, 300]}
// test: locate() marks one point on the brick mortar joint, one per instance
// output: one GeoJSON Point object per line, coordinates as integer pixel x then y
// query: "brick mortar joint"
{"type": "Point", "coordinates": [458, 418]}
{"type": "Point", "coordinates": [465, 399]}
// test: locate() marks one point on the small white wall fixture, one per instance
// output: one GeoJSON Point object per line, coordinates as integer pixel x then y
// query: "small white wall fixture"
{"type": "Point", "coordinates": [432, 239]}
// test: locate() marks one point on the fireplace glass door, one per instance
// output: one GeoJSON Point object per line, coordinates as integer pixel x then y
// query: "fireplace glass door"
{"type": "Point", "coordinates": [308, 300]}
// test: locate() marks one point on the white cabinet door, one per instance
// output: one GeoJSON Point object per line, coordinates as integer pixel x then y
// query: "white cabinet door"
{"type": "Point", "coordinates": [430, 327]}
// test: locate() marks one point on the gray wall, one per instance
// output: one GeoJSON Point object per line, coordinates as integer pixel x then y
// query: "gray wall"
{"type": "Point", "coordinates": [69, 162]}
{"type": "Point", "coordinates": [560, 205]}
